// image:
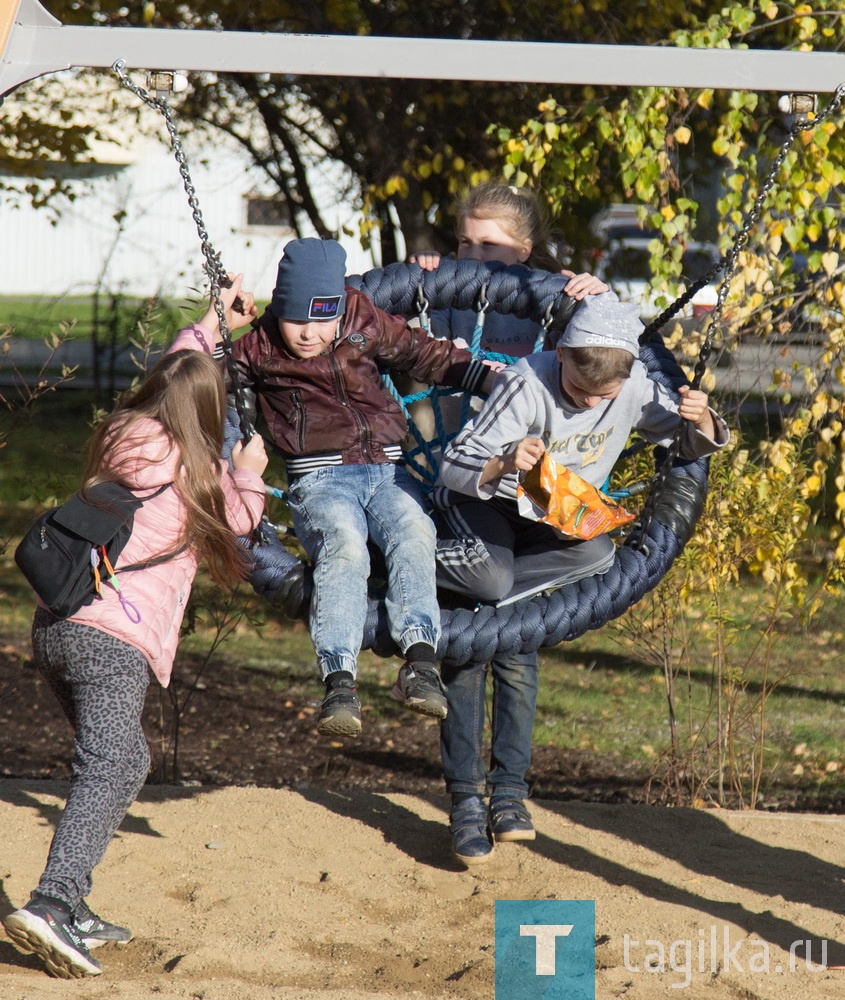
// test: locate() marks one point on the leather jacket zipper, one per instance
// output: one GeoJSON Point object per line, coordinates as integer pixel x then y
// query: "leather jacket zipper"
{"type": "Point", "coordinates": [300, 421]}
{"type": "Point", "coordinates": [344, 399]}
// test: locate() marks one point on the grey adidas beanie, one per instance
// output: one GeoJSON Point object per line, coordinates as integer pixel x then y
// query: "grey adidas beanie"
{"type": "Point", "coordinates": [604, 321]}
{"type": "Point", "coordinates": [310, 282]}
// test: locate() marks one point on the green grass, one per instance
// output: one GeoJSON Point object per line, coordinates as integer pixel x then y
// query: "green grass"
{"type": "Point", "coordinates": [36, 317]}
{"type": "Point", "coordinates": [603, 694]}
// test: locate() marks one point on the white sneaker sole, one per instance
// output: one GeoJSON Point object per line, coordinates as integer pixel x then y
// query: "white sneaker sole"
{"type": "Point", "coordinates": [92, 943]}
{"type": "Point", "coordinates": [32, 935]}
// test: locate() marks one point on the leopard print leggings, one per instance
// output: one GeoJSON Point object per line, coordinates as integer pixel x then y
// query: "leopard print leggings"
{"type": "Point", "coordinates": [101, 683]}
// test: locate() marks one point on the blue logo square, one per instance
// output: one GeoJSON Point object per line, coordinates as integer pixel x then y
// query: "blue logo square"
{"type": "Point", "coordinates": [545, 949]}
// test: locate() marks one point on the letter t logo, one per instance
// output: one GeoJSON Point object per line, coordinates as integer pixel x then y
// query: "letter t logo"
{"type": "Point", "coordinates": [546, 935]}
{"type": "Point", "coordinates": [532, 963]}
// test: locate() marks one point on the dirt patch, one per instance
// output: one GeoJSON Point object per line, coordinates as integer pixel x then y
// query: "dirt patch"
{"type": "Point", "coordinates": [237, 730]}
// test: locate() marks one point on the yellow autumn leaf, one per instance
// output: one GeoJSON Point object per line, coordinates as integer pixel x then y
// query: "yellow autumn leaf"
{"type": "Point", "coordinates": [829, 262]}
{"type": "Point", "coordinates": [812, 486]}
{"type": "Point", "coordinates": [683, 135]}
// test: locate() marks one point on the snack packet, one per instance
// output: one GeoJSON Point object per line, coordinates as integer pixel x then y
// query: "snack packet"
{"type": "Point", "coordinates": [553, 494]}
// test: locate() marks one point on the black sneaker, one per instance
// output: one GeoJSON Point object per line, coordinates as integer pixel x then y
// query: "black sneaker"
{"type": "Point", "coordinates": [95, 931]}
{"type": "Point", "coordinates": [340, 711]}
{"type": "Point", "coordinates": [418, 687]}
{"type": "Point", "coordinates": [45, 926]}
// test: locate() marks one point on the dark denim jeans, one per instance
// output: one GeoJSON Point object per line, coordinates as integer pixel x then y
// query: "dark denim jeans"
{"type": "Point", "coordinates": [462, 731]}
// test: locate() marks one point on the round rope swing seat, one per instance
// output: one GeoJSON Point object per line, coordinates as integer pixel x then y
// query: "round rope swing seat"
{"type": "Point", "coordinates": [676, 496]}
{"type": "Point", "coordinates": [672, 506]}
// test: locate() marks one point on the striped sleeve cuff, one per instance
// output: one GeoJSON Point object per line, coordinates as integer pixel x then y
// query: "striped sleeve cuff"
{"type": "Point", "coordinates": [475, 375]}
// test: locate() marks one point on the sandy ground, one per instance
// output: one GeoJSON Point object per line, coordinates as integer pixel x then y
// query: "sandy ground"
{"type": "Point", "coordinates": [258, 894]}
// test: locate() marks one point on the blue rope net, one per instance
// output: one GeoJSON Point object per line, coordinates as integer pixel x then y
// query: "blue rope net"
{"type": "Point", "coordinates": [422, 453]}
{"type": "Point", "coordinates": [552, 617]}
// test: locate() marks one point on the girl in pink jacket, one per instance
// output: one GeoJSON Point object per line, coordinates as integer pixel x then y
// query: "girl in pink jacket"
{"type": "Point", "coordinates": [169, 431]}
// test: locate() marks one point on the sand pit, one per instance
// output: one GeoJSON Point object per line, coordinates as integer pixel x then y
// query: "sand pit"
{"type": "Point", "coordinates": [262, 894]}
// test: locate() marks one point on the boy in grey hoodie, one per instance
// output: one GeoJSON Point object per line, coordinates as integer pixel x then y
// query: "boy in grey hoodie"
{"type": "Point", "coordinates": [579, 403]}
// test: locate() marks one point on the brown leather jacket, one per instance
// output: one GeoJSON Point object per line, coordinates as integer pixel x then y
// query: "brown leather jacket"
{"type": "Point", "coordinates": [335, 404]}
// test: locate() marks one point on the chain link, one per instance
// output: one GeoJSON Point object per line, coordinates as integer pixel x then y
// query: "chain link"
{"type": "Point", "coordinates": [217, 277]}
{"type": "Point", "coordinates": [729, 264]}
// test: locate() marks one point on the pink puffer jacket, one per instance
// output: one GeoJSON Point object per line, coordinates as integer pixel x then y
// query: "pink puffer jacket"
{"type": "Point", "coordinates": [144, 463]}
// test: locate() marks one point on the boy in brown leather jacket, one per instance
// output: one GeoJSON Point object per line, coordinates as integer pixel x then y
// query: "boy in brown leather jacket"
{"type": "Point", "coordinates": [313, 359]}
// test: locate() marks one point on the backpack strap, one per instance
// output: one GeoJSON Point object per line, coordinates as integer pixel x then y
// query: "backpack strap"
{"type": "Point", "coordinates": [156, 560]}
{"type": "Point", "coordinates": [152, 496]}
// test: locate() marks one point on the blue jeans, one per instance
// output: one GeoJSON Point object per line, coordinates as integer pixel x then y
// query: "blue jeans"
{"type": "Point", "coordinates": [462, 731]}
{"type": "Point", "coordinates": [335, 511]}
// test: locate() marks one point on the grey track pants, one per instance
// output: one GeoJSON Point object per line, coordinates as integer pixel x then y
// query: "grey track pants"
{"type": "Point", "coordinates": [489, 551]}
{"type": "Point", "coordinates": [101, 683]}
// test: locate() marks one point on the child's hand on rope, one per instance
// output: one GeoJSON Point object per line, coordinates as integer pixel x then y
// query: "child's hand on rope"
{"type": "Point", "coordinates": [695, 407]}
{"type": "Point", "coordinates": [580, 286]}
{"type": "Point", "coordinates": [429, 260]}
{"type": "Point", "coordinates": [252, 456]}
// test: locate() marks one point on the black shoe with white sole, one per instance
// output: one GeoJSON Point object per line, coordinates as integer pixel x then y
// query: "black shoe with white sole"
{"type": "Point", "coordinates": [418, 687]}
{"type": "Point", "coordinates": [45, 927]}
{"type": "Point", "coordinates": [340, 710]}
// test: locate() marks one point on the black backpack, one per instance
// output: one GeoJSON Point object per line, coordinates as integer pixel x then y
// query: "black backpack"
{"type": "Point", "coordinates": [62, 553]}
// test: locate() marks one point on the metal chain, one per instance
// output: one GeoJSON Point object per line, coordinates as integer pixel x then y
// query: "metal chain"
{"type": "Point", "coordinates": [675, 307]}
{"type": "Point", "coordinates": [729, 263]}
{"type": "Point", "coordinates": [217, 277]}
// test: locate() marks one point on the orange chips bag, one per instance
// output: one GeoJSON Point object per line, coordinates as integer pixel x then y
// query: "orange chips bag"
{"type": "Point", "coordinates": [558, 497]}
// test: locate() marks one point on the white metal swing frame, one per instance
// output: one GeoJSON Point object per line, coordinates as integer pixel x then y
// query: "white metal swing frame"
{"type": "Point", "coordinates": [34, 43]}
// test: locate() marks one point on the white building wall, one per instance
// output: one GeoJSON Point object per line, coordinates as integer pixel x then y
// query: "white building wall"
{"type": "Point", "coordinates": [155, 249]}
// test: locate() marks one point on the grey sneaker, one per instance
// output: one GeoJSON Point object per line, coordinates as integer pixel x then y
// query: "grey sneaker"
{"type": "Point", "coordinates": [45, 927]}
{"type": "Point", "coordinates": [95, 931]}
{"type": "Point", "coordinates": [340, 711]}
{"type": "Point", "coordinates": [419, 688]}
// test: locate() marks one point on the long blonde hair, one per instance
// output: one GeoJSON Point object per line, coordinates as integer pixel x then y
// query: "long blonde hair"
{"type": "Point", "coordinates": [184, 392]}
{"type": "Point", "coordinates": [520, 212]}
